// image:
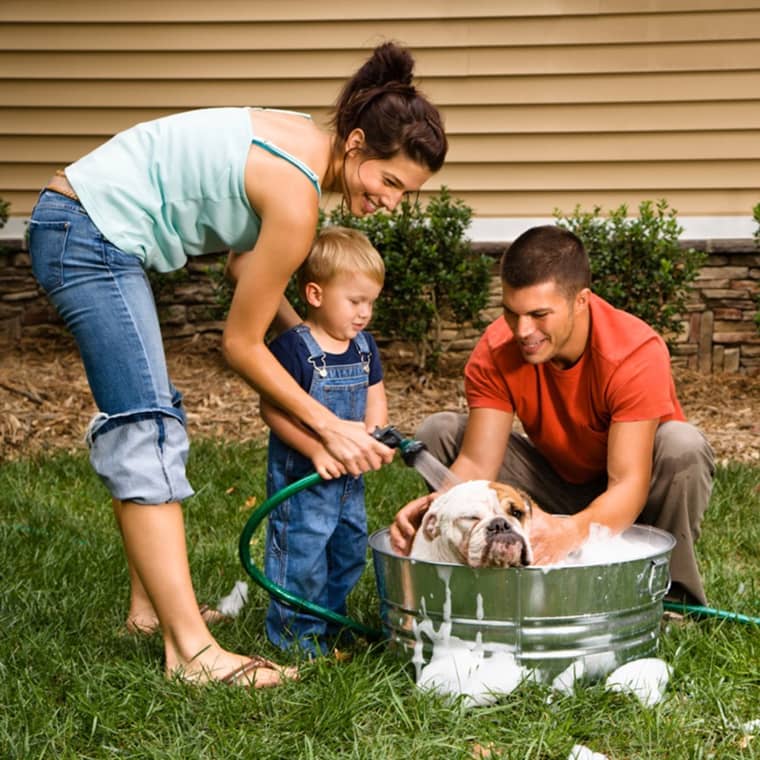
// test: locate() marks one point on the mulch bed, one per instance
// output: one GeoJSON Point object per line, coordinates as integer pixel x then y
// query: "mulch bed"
{"type": "Point", "coordinates": [45, 403]}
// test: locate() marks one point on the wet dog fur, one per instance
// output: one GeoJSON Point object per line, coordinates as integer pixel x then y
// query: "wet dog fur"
{"type": "Point", "coordinates": [491, 530]}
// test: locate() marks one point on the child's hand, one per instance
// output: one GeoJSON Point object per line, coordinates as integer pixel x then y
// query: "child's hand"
{"type": "Point", "coordinates": [326, 465]}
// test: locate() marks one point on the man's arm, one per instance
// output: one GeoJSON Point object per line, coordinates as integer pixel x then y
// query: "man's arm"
{"type": "Point", "coordinates": [484, 445]}
{"type": "Point", "coordinates": [483, 449]}
{"type": "Point", "coordinates": [629, 468]}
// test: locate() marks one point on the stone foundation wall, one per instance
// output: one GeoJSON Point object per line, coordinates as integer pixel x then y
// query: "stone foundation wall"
{"type": "Point", "coordinates": [188, 300]}
{"type": "Point", "coordinates": [720, 331]}
{"type": "Point", "coordinates": [719, 334]}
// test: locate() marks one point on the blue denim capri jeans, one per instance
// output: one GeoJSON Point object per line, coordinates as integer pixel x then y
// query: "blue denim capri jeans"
{"type": "Point", "coordinates": [138, 442]}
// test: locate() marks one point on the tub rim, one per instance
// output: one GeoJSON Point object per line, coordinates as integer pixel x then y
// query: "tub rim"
{"type": "Point", "coordinates": [379, 542]}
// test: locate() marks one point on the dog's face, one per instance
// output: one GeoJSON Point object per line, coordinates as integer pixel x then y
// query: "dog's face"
{"type": "Point", "coordinates": [478, 523]}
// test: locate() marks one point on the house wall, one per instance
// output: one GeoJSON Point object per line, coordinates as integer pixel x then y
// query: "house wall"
{"type": "Point", "coordinates": [548, 103]}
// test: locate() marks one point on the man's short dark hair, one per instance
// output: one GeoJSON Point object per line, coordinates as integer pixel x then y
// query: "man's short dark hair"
{"type": "Point", "coordinates": [547, 253]}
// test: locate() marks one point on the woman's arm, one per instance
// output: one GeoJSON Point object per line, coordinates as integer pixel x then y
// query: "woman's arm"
{"type": "Point", "coordinates": [289, 218]}
{"type": "Point", "coordinates": [294, 434]}
{"type": "Point", "coordinates": [286, 316]}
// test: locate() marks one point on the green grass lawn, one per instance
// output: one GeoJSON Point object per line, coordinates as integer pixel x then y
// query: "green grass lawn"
{"type": "Point", "coordinates": [73, 686]}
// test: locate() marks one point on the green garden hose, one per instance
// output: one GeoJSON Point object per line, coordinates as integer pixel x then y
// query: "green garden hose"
{"type": "Point", "coordinates": [699, 611]}
{"type": "Point", "coordinates": [389, 436]}
{"type": "Point", "coordinates": [278, 591]}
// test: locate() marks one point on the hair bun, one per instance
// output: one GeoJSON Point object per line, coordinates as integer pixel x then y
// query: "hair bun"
{"type": "Point", "coordinates": [391, 63]}
{"type": "Point", "coordinates": [395, 117]}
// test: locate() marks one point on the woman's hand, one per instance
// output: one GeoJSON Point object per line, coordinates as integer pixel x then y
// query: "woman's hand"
{"type": "Point", "coordinates": [354, 447]}
{"type": "Point", "coordinates": [406, 523]}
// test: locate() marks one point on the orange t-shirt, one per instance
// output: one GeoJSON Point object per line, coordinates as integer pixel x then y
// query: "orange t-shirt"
{"type": "Point", "coordinates": [623, 376]}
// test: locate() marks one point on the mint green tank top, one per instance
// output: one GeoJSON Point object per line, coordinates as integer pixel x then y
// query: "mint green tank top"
{"type": "Point", "coordinates": [171, 188]}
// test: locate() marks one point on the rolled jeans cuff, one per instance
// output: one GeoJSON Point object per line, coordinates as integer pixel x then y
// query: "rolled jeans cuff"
{"type": "Point", "coordinates": [141, 457]}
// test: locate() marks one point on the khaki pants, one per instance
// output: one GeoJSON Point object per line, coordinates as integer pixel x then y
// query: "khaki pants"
{"type": "Point", "coordinates": [682, 473]}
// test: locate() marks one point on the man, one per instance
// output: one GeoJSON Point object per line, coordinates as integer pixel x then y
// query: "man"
{"type": "Point", "coordinates": [607, 442]}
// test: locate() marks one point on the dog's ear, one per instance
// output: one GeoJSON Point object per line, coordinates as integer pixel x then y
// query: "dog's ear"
{"type": "Point", "coordinates": [527, 501]}
{"type": "Point", "coordinates": [430, 527]}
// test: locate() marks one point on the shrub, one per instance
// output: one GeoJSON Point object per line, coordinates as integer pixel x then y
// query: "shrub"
{"type": "Point", "coordinates": [4, 207]}
{"type": "Point", "coordinates": [432, 273]}
{"type": "Point", "coordinates": [637, 263]}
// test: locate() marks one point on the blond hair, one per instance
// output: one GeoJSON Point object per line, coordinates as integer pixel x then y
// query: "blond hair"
{"type": "Point", "coordinates": [340, 250]}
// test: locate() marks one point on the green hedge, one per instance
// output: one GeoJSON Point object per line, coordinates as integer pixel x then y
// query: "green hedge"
{"type": "Point", "coordinates": [432, 273]}
{"type": "Point", "coordinates": [637, 263]}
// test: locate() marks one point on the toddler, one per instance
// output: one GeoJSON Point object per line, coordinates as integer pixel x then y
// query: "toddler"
{"type": "Point", "coordinates": [317, 539]}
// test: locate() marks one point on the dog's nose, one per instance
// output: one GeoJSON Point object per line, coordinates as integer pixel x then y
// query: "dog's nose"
{"type": "Point", "coordinates": [498, 525]}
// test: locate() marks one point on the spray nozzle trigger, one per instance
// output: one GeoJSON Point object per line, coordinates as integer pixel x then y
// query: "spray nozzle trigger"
{"type": "Point", "coordinates": [393, 439]}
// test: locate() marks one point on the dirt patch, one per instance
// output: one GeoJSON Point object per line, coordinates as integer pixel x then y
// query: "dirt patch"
{"type": "Point", "coordinates": [45, 403]}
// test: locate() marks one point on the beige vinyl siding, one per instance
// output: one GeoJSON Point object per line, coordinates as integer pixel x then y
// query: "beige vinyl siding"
{"type": "Point", "coordinates": [548, 103]}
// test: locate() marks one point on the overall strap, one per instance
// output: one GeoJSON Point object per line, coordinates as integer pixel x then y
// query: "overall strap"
{"type": "Point", "coordinates": [317, 357]}
{"type": "Point", "coordinates": [362, 346]}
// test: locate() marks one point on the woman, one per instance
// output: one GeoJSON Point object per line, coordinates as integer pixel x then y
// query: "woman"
{"type": "Point", "coordinates": [248, 180]}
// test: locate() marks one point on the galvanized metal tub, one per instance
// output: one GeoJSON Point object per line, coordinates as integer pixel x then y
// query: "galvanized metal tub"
{"type": "Point", "coordinates": [549, 618]}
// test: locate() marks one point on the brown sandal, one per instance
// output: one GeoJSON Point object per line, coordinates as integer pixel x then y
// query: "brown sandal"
{"type": "Point", "coordinates": [255, 663]}
{"type": "Point", "coordinates": [211, 615]}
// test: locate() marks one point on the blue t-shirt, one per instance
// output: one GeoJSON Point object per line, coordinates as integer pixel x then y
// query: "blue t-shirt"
{"type": "Point", "coordinates": [291, 351]}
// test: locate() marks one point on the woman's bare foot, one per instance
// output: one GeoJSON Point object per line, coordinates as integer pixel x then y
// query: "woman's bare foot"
{"type": "Point", "coordinates": [139, 627]}
{"type": "Point", "coordinates": [141, 623]}
{"type": "Point", "coordinates": [211, 616]}
{"type": "Point", "coordinates": [146, 623]}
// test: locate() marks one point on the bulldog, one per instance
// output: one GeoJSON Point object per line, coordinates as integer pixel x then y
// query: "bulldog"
{"type": "Point", "coordinates": [478, 523]}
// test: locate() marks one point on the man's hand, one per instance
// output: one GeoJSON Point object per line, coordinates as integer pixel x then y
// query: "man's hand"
{"type": "Point", "coordinates": [406, 522]}
{"type": "Point", "coordinates": [553, 537]}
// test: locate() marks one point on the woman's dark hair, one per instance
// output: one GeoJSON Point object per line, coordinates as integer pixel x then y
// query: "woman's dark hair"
{"type": "Point", "coordinates": [544, 254]}
{"type": "Point", "coordinates": [395, 117]}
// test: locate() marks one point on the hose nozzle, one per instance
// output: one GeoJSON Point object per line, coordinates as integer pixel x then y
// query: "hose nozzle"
{"type": "Point", "coordinates": [409, 447]}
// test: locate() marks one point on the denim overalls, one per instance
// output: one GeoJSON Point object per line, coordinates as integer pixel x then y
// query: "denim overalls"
{"type": "Point", "coordinates": [317, 539]}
